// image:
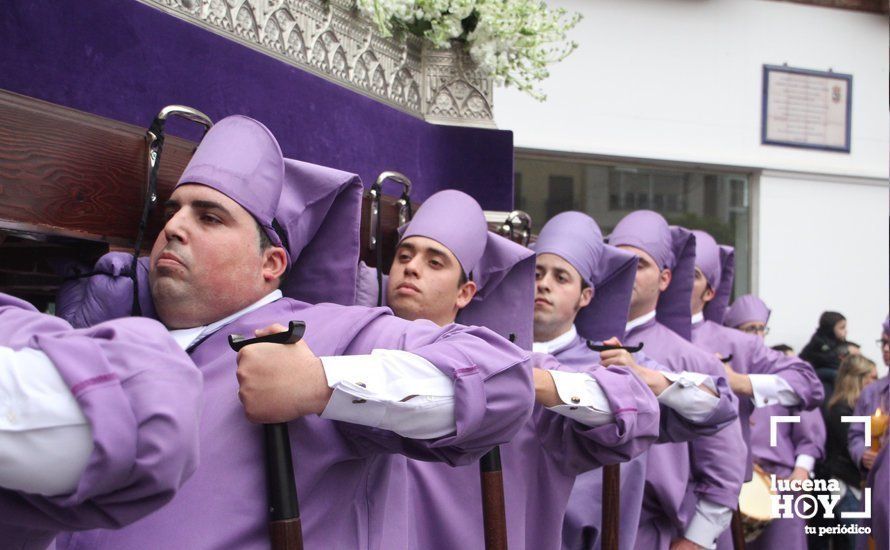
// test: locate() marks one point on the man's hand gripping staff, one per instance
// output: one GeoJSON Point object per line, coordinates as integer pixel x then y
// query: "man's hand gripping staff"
{"type": "Point", "coordinates": [285, 532]}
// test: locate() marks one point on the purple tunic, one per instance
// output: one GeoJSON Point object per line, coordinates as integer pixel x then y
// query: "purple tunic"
{"type": "Point", "coordinates": [679, 474]}
{"type": "Point", "coordinates": [539, 465]}
{"type": "Point", "coordinates": [224, 505]}
{"type": "Point", "coordinates": [751, 356]}
{"type": "Point", "coordinates": [879, 481]}
{"type": "Point", "coordinates": [875, 395]}
{"type": "Point", "coordinates": [806, 437]}
{"type": "Point", "coordinates": [582, 524]}
{"type": "Point", "coordinates": [141, 395]}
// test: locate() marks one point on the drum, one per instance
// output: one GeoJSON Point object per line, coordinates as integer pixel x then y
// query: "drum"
{"type": "Point", "coordinates": [755, 504]}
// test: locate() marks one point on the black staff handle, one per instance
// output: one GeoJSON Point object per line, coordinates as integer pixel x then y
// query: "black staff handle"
{"type": "Point", "coordinates": [285, 530]}
{"type": "Point", "coordinates": [607, 347]}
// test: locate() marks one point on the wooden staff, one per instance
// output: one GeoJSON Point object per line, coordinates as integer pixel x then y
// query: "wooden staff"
{"type": "Point", "coordinates": [738, 533]}
{"type": "Point", "coordinates": [285, 530]}
{"type": "Point", "coordinates": [611, 519]}
{"type": "Point", "coordinates": [494, 514]}
{"type": "Point", "coordinates": [611, 505]}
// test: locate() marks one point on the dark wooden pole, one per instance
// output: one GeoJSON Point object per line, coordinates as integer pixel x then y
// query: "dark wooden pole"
{"type": "Point", "coordinates": [494, 513]}
{"type": "Point", "coordinates": [738, 533]}
{"type": "Point", "coordinates": [611, 505]}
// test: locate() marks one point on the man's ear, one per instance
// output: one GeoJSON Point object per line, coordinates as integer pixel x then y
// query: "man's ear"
{"type": "Point", "coordinates": [586, 297]}
{"type": "Point", "coordinates": [274, 263]}
{"type": "Point", "coordinates": [664, 279]}
{"type": "Point", "coordinates": [465, 294]}
{"type": "Point", "coordinates": [709, 294]}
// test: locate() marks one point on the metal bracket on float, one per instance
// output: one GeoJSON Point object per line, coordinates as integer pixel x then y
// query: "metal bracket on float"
{"type": "Point", "coordinates": [404, 203]}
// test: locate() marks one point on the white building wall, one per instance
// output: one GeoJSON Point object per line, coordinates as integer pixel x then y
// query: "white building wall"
{"type": "Point", "coordinates": [680, 80]}
{"type": "Point", "coordinates": [823, 246]}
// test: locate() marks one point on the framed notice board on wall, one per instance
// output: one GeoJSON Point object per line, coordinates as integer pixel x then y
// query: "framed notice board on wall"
{"type": "Point", "coordinates": [804, 108]}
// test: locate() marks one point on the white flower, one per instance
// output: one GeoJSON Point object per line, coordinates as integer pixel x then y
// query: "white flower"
{"type": "Point", "coordinates": [514, 40]}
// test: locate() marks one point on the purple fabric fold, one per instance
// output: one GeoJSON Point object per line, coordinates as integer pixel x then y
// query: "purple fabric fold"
{"type": "Point", "coordinates": [751, 356]}
{"type": "Point", "coordinates": [141, 395]}
{"type": "Point", "coordinates": [717, 263]}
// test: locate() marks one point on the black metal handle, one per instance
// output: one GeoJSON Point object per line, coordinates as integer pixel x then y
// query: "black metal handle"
{"type": "Point", "coordinates": [607, 347]}
{"type": "Point", "coordinates": [726, 359]}
{"type": "Point", "coordinates": [292, 335]}
{"type": "Point", "coordinates": [282, 487]}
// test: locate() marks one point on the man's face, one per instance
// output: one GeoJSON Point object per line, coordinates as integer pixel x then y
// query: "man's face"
{"type": "Point", "coordinates": [650, 281]}
{"type": "Point", "coordinates": [701, 292]}
{"type": "Point", "coordinates": [206, 262]}
{"type": "Point", "coordinates": [558, 296]}
{"type": "Point", "coordinates": [424, 282]}
{"type": "Point", "coordinates": [754, 327]}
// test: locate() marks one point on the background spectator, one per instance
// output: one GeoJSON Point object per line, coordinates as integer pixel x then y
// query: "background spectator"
{"type": "Point", "coordinates": [824, 348]}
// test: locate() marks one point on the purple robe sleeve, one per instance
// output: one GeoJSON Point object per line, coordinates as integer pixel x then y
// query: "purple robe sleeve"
{"type": "Point", "coordinates": [719, 462]}
{"type": "Point", "coordinates": [808, 435]}
{"type": "Point", "coordinates": [718, 465]}
{"type": "Point", "coordinates": [105, 293]}
{"type": "Point", "coordinates": [141, 395]}
{"type": "Point", "coordinates": [493, 389]}
{"type": "Point", "coordinates": [578, 447]}
{"type": "Point", "coordinates": [865, 406]}
{"type": "Point", "coordinates": [677, 428]}
{"type": "Point", "coordinates": [879, 481]}
{"type": "Point", "coordinates": [794, 370]}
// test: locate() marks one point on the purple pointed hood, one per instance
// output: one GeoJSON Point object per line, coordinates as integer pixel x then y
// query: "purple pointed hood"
{"type": "Point", "coordinates": [610, 272]}
{"type": "Point", "coordinates": [504, 272]}
{"type": "Point", "coordinates": [746, 309]}
{"type": "Point", "coordinates": [717, 263]}
{"type": "Point", "coordinates": [307, 209]}
{"type": "Point", "coordinates": [455, 220]}
{"type": "Point", "coordinates": [319, 215]}
{"type": "Point", "coordinates": [672, 248]}
{"type": "Point", "coordinates": [240, 158]}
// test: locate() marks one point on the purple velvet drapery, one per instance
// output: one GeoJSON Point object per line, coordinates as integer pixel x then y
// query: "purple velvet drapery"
{"type": "Point", "coordinates": [125, 60]}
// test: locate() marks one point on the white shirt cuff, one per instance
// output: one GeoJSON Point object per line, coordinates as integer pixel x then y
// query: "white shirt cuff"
{"type": "Point", "coordinates": [771, 389]}
{"type": "Point", "coordinates": [584, 399]}
{"type": "Point", "coordinates": [708, 523]}
{"type": "Point", "coordinates": [45, 440]}
{"type": "Point", "coordinates": [392, 390]}
{"type": "Point", "coordinates": [686, 397]}
{"type": "Point", "coordinates": [806, 462]}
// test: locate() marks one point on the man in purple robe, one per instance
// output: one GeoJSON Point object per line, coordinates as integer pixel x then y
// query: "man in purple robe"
{"type": "Point", "coordinates": [99, 426]}
{"type": "Point", "coordinates": [361, 386]}
{"type": "Point", "coordinates": [748, 314]}
{"type": "Point", "coordinates": [874, 463]}
{"type": "Point", "coordinates": [582, 297]}
{"type": "Point", "coordinates": [449, 268]}
{"type": "Point", "coordinates": [760, 376]}
{"type": "Point", "coordinates": [799, 445]}
{"type": "Point", "coordinates": [691, 488]}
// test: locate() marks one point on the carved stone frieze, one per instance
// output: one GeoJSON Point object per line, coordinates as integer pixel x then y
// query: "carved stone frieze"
{"type": "Point", "coordinates": [330, 38]}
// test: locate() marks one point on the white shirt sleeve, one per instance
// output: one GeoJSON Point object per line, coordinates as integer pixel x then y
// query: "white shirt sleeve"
{"type": "Point", "coordinates": [583, 398]}
{"type": "Point", "coordinates": [686, 397]}
{"type": "Point", "coordinates": [708, 523]}
{"type": "Point", "coordinates": [770, 389]}
{"type": "Point", "coordinates": [45, 440]}
{"type": "Point", "coordinates": [805, 461]}
{"type": "Point", "coordinates": [392, 390]}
